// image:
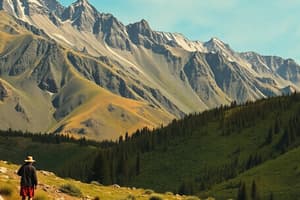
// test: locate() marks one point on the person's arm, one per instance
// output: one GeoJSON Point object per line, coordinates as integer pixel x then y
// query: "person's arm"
{"type": "Point", "coordinates": [35, 179]}
{"type": "Point", "coordinates": [20, 171]}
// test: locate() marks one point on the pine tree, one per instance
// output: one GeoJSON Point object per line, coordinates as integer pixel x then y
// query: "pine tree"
{"type": "Point", "coordinates": [126, 136]}
{"type": "Point", "coordinates": [123, 170]}
{"type": "Point", "coordinates": [138, 165]}
{"type": "Point", "coordinates": [254, 191]}
{"type": "Point", "coordinates": [285, 141]}
{"type": "Point", "coordinates": [249, 162]}
{"type": "Point", "coordinates": [186, 188]}
{"type": "Point", "coordinates": [276, 126]}
{"type": "Point", "coordinates": [271, 196]}
{"type": "Point", "coordinates": [101, 169]}
{"type": "Point", "coordinates": [242, 192]}
{"type": "Point", "coordinates": [269, 138]}
{"type": "Point", "coordinates": [182, 189]}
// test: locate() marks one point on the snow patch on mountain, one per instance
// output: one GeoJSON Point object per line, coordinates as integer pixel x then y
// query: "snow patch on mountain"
{"type": "Point", "coordinates": [35, 2]}
{"type": "Point", "coordinates": [21, 9]}
{"type": "Point", "coordinates": [10, 4]}
{"type": "Point", "coordinates": [60, 37]}
{"type": "Point", "coordinates": [183, 42]}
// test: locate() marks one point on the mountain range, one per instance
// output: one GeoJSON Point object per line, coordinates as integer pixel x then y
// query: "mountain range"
{"type": "Point", "coordinates": [75, 70]}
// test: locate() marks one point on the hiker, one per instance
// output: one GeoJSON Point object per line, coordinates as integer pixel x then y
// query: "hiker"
{"type": "Point", "coordinates": [28, 178]}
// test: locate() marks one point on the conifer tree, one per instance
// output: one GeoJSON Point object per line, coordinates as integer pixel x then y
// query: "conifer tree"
{"type": "Point", "coordinates": [138, 165]}
{"type": "Point", "coordinates": [101, 169]}
{"type": "Point", "coordinates": [242, 192]}
{"type": "Point", "coordinates": [269, 138]}
{"type": "Point", "coordinates": [271, 196]}
{"type": "Point", "coordinates": [276, 126]}
{"type": "Point", "coordinates": [254, 191]}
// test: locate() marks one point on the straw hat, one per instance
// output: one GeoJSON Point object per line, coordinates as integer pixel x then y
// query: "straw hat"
{"type": "Point", "coordinates": [29, 159]}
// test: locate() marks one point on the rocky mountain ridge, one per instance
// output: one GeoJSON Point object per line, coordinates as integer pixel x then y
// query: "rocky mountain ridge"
{"type": "Point", "coordinates": [164, 70]}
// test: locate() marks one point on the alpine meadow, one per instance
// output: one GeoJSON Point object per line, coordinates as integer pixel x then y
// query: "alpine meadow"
{"type": "Point", "coordinates": [113, 111]}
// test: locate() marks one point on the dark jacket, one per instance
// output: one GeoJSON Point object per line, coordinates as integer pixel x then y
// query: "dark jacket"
{"type": "Point", "coordinates": [28, 175]}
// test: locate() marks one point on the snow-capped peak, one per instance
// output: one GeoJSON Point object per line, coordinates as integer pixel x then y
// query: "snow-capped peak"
{"type": "Point", "coordinates": [83, 4]}
{"type": "Point", "coordinates": [215, 44]}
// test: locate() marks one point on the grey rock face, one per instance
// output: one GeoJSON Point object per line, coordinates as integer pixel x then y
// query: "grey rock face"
{"type": "Point", "coordinates": [49, 72]}
{"type": "Point", "coordinates": [54, 6]}
{"type": "Point", "coordinates": [286, 68]}
{"type": "Point", "coordinates": [32, 28]}
{"type": "Point", "coordinates": [45, 61]}
{"type": "Point", "coordinates": [103, 77]}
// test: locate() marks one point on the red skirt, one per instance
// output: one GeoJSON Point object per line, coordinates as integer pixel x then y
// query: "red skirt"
{"type": "Point", "coordinates": [27, 192]}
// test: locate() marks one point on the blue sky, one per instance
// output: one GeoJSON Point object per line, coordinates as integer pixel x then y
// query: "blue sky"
{"type": "Point", "coordinates": [269, 27]}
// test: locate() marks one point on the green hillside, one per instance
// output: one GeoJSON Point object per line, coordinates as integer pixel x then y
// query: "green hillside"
{"type": "Point", "coordinates": [279, 177]}
{"type": "Point", "coordinates": [208, 154]}
{"type": "Point", "coordinates": [206, 149]}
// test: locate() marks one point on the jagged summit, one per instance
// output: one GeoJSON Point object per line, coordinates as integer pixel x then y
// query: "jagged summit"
{"type": "Point", "coordinates": [81, 14]}
{"type": "Point", "coordinates": [140, 33]}
{"type": "Point", "coordinates": [83, 4]}
{"type": "Point", "coordinates": [26, 8]}
{"type": "Point", "coordinates": [143, 25]}
{"type": "Point", "coordinates": [215, 44]}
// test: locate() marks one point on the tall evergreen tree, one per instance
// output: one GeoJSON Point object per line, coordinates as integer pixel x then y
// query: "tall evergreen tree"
{"type": "Point", "coordinates": [242, 192]}
{"type": "Point", "coordinates": [123, 170]}
{"type": "Point", "coordinates": [186, 188]}
{"type": "Point", "coordinates": [138, 165]}
{"type": "Point", "coordinates": [101, 169]}
{"type": "Point", "coordinates": [271, 196]}
{"type": "Point", "coordinates": [277, 126]}
{"type": "Point", "coordinates": [254, 191]}
{"type": "Point", "coordinates": [269, 138]}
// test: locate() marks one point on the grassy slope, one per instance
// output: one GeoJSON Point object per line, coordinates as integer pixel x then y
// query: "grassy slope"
{"type": "Point", "coordinates": [280, 176]}
{"type": "Point", "coordinates": [188, 158]}
{"type": "Point", "coordinates": [49, 184]}
{"type": "Point", "coordinates": [128, 114]}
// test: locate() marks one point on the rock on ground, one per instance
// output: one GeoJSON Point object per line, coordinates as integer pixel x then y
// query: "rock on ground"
{"type": "Point", "coordinates": [3, 170]}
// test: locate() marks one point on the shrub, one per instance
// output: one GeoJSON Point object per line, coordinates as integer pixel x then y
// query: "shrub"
{"type": "Point", "coordinates": [155, 197]}
{"type": "Point", "coordinates": [148, 192]}
{"type": "Point", "coordinates": [96, 183]}
{"type": "Point", "coordinates": [6, 190]}
{"type": "Point", "coordinates": [71, 190]}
